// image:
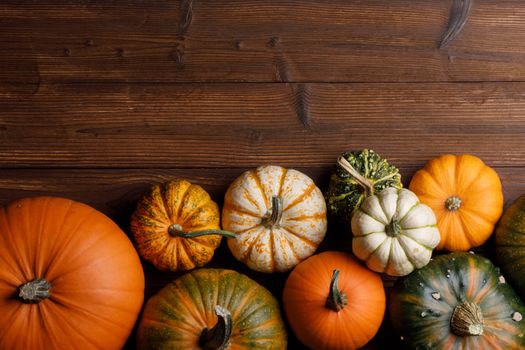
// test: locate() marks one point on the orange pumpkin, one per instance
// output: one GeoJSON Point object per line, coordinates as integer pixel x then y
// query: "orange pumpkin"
{"type": "Point", "coordinates": [70, 278]}
{"type": "Point", "coordinates": [334, 303]}
{"type": "Point", "coordinates": [466, 197]}
{"type": "Point", "coordinates": [176, 226]}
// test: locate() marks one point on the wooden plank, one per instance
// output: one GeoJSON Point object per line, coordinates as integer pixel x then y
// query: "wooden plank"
{"type": "Point", "coordinates": [115, 192]}
{"type": "Point", "coordinates": [244, 125]}
{"type": "Point", "coordinates": [254, 41]}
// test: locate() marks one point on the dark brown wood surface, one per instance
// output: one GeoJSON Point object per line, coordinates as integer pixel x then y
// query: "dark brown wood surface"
{"type": "Point", "coordinates": [254, 40]}
{"type": "Point", "coordinates": [247, 124]}
{"type": "Point", "coordinates": [101, 99]}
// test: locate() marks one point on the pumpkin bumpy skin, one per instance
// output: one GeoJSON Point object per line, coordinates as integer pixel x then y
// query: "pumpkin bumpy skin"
{"type": "Point", "coordinates": [178, 316]}
{"type": "Point", "coordinates": [180, 204]}
{"type": "Point", "coordinates": [345, 193]}
{"type": "Point", "coordinates": [458, 301]}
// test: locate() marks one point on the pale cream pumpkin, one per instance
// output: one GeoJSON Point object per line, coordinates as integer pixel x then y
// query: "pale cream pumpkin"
{"type": "Point", "coordinates": [394, 232]}
{"type": "Point", "coordinates": [279, 216]}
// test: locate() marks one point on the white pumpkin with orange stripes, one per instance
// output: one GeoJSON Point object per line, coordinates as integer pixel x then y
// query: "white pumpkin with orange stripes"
{"type": "Point", "coordinates": [279, 216]}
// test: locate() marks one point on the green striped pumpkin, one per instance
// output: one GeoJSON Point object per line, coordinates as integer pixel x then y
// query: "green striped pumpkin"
{"type": "Point", "coordinates": [458, 301]}
{"type": "Point", "coordinates": [212, 309]}
{"type": "Point", "coordinates": [510, 244]}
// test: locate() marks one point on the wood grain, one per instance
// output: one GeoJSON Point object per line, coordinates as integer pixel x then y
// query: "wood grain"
{"type": "Point", "coordinates": [245, 125]}
{"type": "Point", "coordinates": [254, 41]}
{"type": "Point", "coordinates": [116, 191]}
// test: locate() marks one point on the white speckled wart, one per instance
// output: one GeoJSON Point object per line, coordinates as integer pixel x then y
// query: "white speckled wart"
{"type": "Point", "coordinates": [248, 204]}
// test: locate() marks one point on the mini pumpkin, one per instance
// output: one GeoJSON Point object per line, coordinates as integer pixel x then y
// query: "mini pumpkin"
{"type": "Point", "coordinates": [510, 244]}
{"type": "Point", "coordinates": [176, 226]}
{"type": "Point", "coordinates": [393, 232]}
{"type": "Point", "coordinates": [357, 175]}
{"type": "Point", "coordinates": [458, 301]}
{"type": "Point", "coordinates": [69, 277]}
{"type": "Point", "coordinates": [212, 309]}
{"type": "Point", "coordinates": [333, 303]}
{"type": "Point", "coordinates": [279, 216]}
{"type": "Point", "coordinates": [466, 197]}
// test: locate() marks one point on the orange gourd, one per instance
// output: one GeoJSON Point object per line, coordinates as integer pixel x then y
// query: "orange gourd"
{"type": "Point", "coordinates": [466, 197]}
{"type": "Point", "coordinates": [334, 303]}
{"type": "Point", "coordinates": [176, 226]}
{"type": "Point", "coordinates": [69, 277]}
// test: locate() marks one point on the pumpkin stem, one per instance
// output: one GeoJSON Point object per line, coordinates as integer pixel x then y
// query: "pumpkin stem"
{"type": "Point", "coordinates": [33, 292]}
{"type": "Point", "coordinates": [361, 180]}
{"type": "Point", "coordinates": [336, 298]}
{"type": "Point", "coordinates": [453, 203]}
{"type": "Point", "coordinates": [273, 218]}
{"type": "Point", "coordinates": [217, 338]}
{"type": "Point", "coordinates": [467, 319]}
{"type": "Point", "coordinates": [176, 230]}
{"type": "Point", "coordinates": [393, 229]}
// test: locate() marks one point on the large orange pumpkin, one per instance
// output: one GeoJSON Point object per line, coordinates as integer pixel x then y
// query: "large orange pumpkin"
{"type": "Point", "coordinates": [466, 197]}
{"type": "Point", "coordinates": [69, 277]}
{"type": "Point", "coordinates": [176, 226]}
{"type": "Point", "coordinates": [334, 303]}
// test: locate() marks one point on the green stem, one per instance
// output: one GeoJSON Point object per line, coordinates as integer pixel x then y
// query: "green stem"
{"type": "Point", "coordinates": [274, 216]}
{"type": "Point", "coordinates": [361, 180]}
{"type": "Point", "coordinates": [217, 338]}
{"type": "Point", "coordinates": [35, 291]}
{"type": "Point", "coordinates": [176, 230]}
{"type": "Point", "coordinates": [336, 298]}
{"type": "Point", "coordinates": [393, 229]}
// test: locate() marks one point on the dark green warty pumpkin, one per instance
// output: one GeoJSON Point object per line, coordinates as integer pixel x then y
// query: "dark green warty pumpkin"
{"type": "Point", "coordinates": [510, 244]}
{"type": "Point", "coordinates": [358, 174]}
{"type": "Point", "coordinates": [459, 301]}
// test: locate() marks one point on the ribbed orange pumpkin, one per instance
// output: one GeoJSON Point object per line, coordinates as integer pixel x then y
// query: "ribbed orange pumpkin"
{"type": "Point", "coordinates": [333, 303]}
{"type": "Point", "coordinates": [466, 197]}
{"type": "Point", "coordinates": [69, 277]}
{"type": "Point", "coordinates": [176, 226]}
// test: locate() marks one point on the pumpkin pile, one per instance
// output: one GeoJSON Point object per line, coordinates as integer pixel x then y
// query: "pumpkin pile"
{"type": "Point", "coordinates": [72, 279]}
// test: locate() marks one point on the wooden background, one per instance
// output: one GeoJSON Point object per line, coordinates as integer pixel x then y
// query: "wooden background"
{"type": "Point", "coordinates": [101, 99]}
